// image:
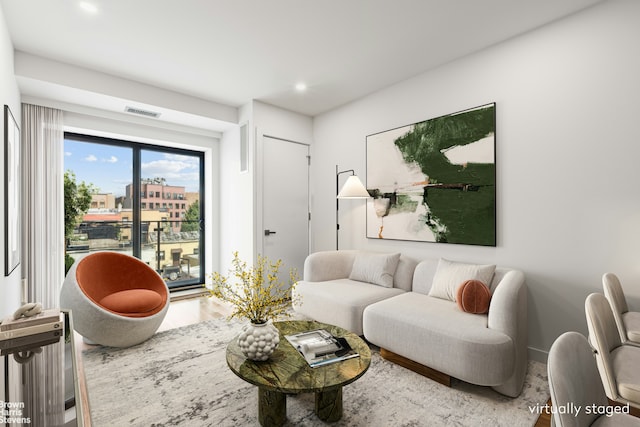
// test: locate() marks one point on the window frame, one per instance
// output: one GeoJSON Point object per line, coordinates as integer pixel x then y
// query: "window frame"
{"type": "Point", "coordinates": [136, 232]}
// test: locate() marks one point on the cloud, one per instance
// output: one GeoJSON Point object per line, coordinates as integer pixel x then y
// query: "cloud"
{"type": "Point", "coordinates": [91, 158]}
{"type": "Point", "coordinates": [112, 159]}
{"type": "Point", "coordinates": [68, 153]}
{"type": "Point", "coordinates": [175, 169]}
{"type": "Point", "coordinates": [171, 165]}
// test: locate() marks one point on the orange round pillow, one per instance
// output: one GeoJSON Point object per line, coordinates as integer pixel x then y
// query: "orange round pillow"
{"type": "Point", "coordinates": [473, 296]}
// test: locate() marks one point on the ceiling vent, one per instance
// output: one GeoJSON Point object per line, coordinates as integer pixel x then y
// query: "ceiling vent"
{"type": "Point", "coordinates": [142, 112]}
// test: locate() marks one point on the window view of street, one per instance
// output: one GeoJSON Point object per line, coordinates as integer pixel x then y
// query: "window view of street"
{"type": "Point", "coordinates": [154, 216]}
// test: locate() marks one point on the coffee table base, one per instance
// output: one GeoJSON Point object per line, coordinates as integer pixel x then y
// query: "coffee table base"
{"type": "Point", "coordinates": [272, 406]}
{"type": "Point", "coordinates": [329, 405]}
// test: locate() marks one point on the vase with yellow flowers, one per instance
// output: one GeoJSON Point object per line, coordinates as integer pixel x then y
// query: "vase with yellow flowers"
{"type": "Point", "coordinates": [257, 294]}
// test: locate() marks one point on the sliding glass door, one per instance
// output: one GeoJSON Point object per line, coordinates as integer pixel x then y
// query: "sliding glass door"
{"type": "Point", "coordinates": [144, 200]}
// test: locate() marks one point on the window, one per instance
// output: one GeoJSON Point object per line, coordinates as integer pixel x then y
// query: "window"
{"type": "Point", "coordinates": [116, 168]}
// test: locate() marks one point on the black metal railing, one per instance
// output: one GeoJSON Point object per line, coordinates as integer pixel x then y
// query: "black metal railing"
{"type": "Point", "coordinates": [172, 248]}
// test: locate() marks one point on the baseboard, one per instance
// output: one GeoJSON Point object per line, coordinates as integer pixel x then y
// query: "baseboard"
{"type": "Point", "coordinates": [537, 355]}
{"type": "Point", "coordinates": [426, 371]}
{"type": "Point", "coordinates": [188, 293]}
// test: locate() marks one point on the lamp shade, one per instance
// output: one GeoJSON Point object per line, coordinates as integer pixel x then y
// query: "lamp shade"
{"type": "Point", "coordinates": [353, 189]}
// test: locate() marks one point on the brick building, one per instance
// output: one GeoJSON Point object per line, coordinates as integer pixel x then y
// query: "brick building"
{"type": "Point", "coordinates": [155, 194]}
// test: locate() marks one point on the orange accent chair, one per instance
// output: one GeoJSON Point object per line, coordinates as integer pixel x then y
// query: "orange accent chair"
{"type": "Point", "coordinates": [116, 300]}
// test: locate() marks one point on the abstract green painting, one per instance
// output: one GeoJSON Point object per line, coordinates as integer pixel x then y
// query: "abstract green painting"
{"type": "Point", "coordinates": [435, 181]}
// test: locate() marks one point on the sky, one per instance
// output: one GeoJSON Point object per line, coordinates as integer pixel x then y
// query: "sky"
{"type": "Point", "coordinates": [110, 167]}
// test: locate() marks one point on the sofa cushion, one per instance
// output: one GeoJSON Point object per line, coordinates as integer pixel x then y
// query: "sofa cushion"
{"type": "Point", "coordinates": [377, 269]}
{"type": "Point", "coordinates": [435, 333]}
{"type": "Point", "coordinates": [133, 302]}
{"type": "Point", "coordinates": [339, 302]}
{"type": "Point", "coordinates": [473, 296]}
{"type": "Point", "coordinates": [451, 274]}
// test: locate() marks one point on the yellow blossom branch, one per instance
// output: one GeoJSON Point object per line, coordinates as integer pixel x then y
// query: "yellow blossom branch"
{"type": "Point", "coordinates": [252, 297]}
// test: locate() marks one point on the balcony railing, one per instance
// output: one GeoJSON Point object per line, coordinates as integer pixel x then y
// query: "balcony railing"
{"type": "Point", "coordinates": [172, 248]}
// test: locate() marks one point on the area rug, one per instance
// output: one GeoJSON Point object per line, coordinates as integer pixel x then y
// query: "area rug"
{"type": "Point", "coordinates": [180, 378]}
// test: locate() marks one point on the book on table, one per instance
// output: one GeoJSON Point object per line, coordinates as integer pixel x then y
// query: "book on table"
{"type": "Point", "coordinates": [319, 347]}
{"type": "Point", "coordinates": [54, 323]}
{"type": "Point", "coordinates": [29, 342]}
{"type": "Point", "coordinates": [51, 315]}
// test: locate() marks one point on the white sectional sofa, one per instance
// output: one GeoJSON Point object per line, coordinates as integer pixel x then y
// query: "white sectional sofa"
{"type": "Point", "coordinates": [409, 321]}
{"type": "Point", "coordinates": [329, 296]}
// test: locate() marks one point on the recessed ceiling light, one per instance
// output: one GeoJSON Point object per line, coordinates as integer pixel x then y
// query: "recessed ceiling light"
{"type": "Point", "coordinates": [301, 87]}
{"type": "Point", "coordinates": [88, 7]}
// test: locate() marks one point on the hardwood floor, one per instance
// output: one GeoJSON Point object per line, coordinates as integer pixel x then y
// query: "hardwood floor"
{"type": "Point", "coordinates": [188, 311]}
{"type": "Point", "coordinates": [544, 420]}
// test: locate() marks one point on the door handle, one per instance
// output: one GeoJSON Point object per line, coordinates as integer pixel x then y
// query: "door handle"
{"type": "Point", "coordinates": [268, 232]}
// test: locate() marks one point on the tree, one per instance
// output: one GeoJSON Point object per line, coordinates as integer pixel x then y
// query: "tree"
{"type": "Point", "coordinates": [192, 214]}
{"type": "Point", "coordinates": [77, 200]}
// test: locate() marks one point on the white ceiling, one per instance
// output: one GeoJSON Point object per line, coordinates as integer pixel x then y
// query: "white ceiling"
{"type": "Point", "coordinates": [235, 51]}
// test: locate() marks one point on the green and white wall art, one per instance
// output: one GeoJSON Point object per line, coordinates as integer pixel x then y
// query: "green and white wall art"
{"type": "Point", "coordinates": [435, 181]}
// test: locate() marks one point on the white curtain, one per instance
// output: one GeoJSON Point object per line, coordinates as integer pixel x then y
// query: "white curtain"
{"type": "Point", "coordinates": [43, 203]}
{"type": "Point", "coordinates": [43, 248]}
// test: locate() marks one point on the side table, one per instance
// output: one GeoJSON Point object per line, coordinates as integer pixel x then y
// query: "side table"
{"type": "Point", "coordinates": [41, 383]}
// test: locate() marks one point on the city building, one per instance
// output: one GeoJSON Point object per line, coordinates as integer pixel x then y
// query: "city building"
{"type": "Point", "coordinates": [155, 194]}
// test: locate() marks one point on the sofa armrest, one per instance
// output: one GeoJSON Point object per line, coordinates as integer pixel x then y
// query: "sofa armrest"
{"type": "Point", "coordinates": [328, 265]}
{"type": "Point", "coordinates": [508, 314]}
{"type": "Point", "coordinates": [508, 307]}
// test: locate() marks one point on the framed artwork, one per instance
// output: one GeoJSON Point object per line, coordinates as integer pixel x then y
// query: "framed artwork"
{"type": "Point", "coordinates": [11, 192]}
{"type": "Point", "coordinates": [435, 181]}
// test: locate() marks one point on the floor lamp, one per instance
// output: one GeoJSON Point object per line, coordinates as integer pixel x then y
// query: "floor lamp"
{"type": "Point", "coordinates": [352, 189]}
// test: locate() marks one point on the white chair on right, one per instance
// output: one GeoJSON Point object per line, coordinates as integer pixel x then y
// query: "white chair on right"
{"type": "Point", "coordinates": [574, 382]}
{"type": "Point", "coordinates": [628, 322]}
{"type": "Point", "coordinates": [617, 363]}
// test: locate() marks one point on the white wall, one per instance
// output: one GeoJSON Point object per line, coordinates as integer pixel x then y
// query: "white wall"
{"type": "Point", "coordinates": [568, 146]}
{"type": "Point", "coordinates": [236, 201]}
{"type": "Point", "coordinates": [10, 289]}
{"type": "Point", "coordinates": [241, 207]}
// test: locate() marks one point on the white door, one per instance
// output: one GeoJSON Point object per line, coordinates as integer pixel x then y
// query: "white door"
{"type": "Point", "coordinates": [286, 203]}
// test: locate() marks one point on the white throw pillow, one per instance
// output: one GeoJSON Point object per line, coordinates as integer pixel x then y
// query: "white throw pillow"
{"type": "Point", "coordinates": [377, 269]}
{"type": "Point", "coordinates": [451, 274]}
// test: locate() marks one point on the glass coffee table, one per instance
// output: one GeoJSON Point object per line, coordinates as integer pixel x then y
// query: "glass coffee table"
{"type": "Point", "coordinates": [287, 372]}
